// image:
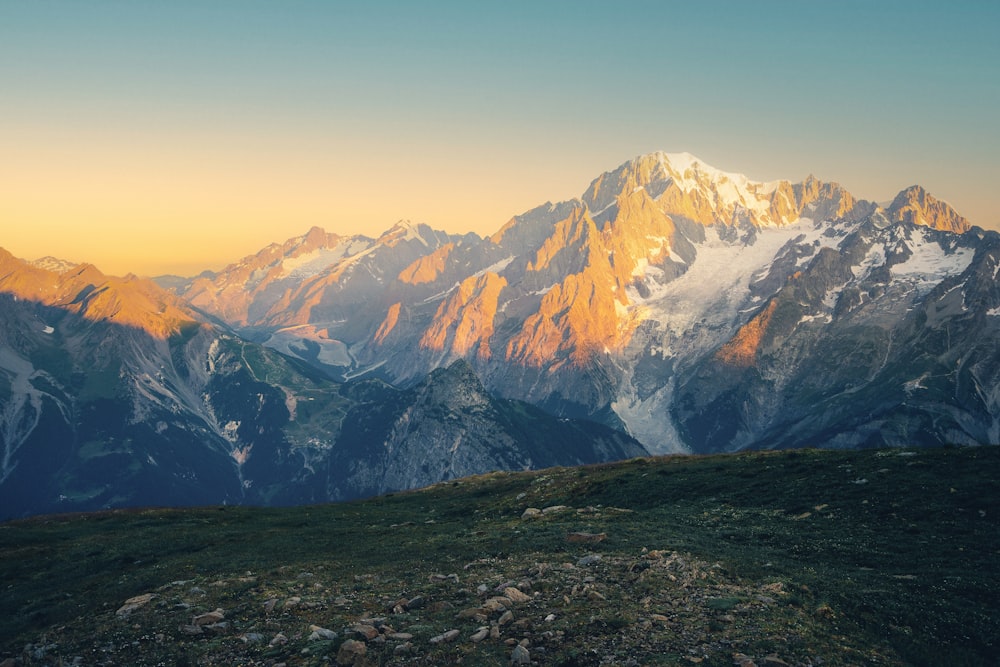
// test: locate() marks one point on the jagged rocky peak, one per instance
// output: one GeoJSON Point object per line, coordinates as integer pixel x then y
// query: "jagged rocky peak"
{"type": "Point", "coordinates": [406, 230]}
{"type": "Point", "coordinates": [455, 387]}
{"type": "Point", "coordinates": [917, 206]}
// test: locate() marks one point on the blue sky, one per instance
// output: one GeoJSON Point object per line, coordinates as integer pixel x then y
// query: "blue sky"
{"type": "Point", "coordinates": [132, 129]}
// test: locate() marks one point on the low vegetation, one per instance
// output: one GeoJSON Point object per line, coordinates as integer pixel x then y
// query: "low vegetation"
{"type": "Point", "coordinates": [884, 557]}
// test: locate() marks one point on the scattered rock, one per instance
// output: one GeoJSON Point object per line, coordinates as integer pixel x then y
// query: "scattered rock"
{"type": "Point", "coordinates": [588, 560]}
{"type": "Point", "coordinates": [279, 640]}
{"type": "Point", "coordinates": [351, 652]}
{"type": "Point", "coordinates": [495, 604]}
{"type": "Point", "coordinates": [515, 596]}
{"type": "Point", "coordinates": [531, 513]}
{"type": "Point", "coordinates": [319, 633]}
{"type": "Point", "coordinates": [415, 603]}
{"type": "Point", "coordinates": [400, 636]}
{"type": "Point", "coordinates": [586, 538]}
{"type": "Point", "coordinates": [477, 613]}
{"type": "Point", "coordinates": [252, 638]}
{"type": "Point", "coordinates": [134, 603]}
{"type": "Point", "coordinates": [270, 605]}
{"type": "Point", "coordinates": [773, 660]}
{"type": "Point", "coordinates": [520, 656]}
{"type": "Point", "coordinates": [445, 637]}
{"type": "Point", "coordinates": [209, 618]}
{"type": "Point", "coordinates": [365, 631]}
{"type": "Point", "coordinates": [481, 634]}
{"type": "Point", "coordinates": [552, 509]}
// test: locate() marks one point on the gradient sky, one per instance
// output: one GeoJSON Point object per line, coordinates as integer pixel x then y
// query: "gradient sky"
{"type": "Point", "coordinates": [174, 136]}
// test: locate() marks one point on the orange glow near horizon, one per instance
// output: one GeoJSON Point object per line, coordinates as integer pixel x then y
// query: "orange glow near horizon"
{"type": "Point", "coordinates": [175, 137]}
{"type": "Point", "coordinates": [175, 209]}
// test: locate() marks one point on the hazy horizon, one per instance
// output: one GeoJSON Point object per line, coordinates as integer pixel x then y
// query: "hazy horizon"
{"type": "Point", "coordinates": [160, 138]}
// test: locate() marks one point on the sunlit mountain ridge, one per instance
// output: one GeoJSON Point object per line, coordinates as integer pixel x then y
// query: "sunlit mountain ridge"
{"type": "Point", "coordinates": [607, 305]}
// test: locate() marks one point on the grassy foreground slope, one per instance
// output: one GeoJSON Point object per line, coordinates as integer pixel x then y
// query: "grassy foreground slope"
{"type": "Point", "coordinates": [806, 557]}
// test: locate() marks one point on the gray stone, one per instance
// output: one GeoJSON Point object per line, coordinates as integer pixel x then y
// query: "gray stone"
{"type": "Point", "coordinates": [445, 637]}
{"type": "Point", "coordinates": [319, 633]}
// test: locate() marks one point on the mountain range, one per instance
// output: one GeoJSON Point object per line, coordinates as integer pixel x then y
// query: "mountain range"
{"type": "Point", "coordinates": [691, 309]}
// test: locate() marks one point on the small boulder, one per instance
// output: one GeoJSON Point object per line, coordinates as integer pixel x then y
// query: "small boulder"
{"type": "Point", "coordinates": [520, 656]}
{"type": "Point", "coordinates": [445, 637]}
{"type": "Point", "coordinates": [209, 618]}
{"type": "Point", "coordinates": [350, 652]}
{"type": "Point", "coordinates": [134, 603]}
{"type": "Point", "coordinates": [515, 595]}
{"type": "Point", "coordinates": [319, 633]}
{"type": "Point", "coordinates": [415, 603]}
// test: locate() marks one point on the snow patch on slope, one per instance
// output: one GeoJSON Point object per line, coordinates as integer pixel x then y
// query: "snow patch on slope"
{"type": "Point", "coordinates": [695, 313]}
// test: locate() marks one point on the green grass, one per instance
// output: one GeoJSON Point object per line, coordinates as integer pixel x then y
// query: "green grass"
{"type": "Point", "coordinates": [885, 557]}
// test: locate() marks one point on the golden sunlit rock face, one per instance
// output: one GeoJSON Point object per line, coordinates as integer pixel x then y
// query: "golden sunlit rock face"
{"type": "Point", "coordinates": [589, 312]}
{"type": "Point", "coordinates": [742, 350]}
{"type": "Point", "coordinates": [465, 319]}
{"type": "Point", "coordinates": [427, 268]}
{"type": "Point", "coordinates": [245, 281]}
{"type": "Point", "coordinates": [84, 290]}
{"type": "Point", "coordinates": [916, 206]}
{"type": "Point", "coordinates": [389, 323]}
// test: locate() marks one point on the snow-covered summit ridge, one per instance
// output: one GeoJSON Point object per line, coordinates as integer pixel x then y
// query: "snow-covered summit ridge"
{"type": "Point", "coordinates": [687, 186]}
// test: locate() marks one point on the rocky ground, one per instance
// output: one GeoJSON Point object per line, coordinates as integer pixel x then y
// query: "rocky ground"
{"type": "Point", "coordinates": [589, 608]}
{"type": "Point", "coordinates": [501, 578]}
